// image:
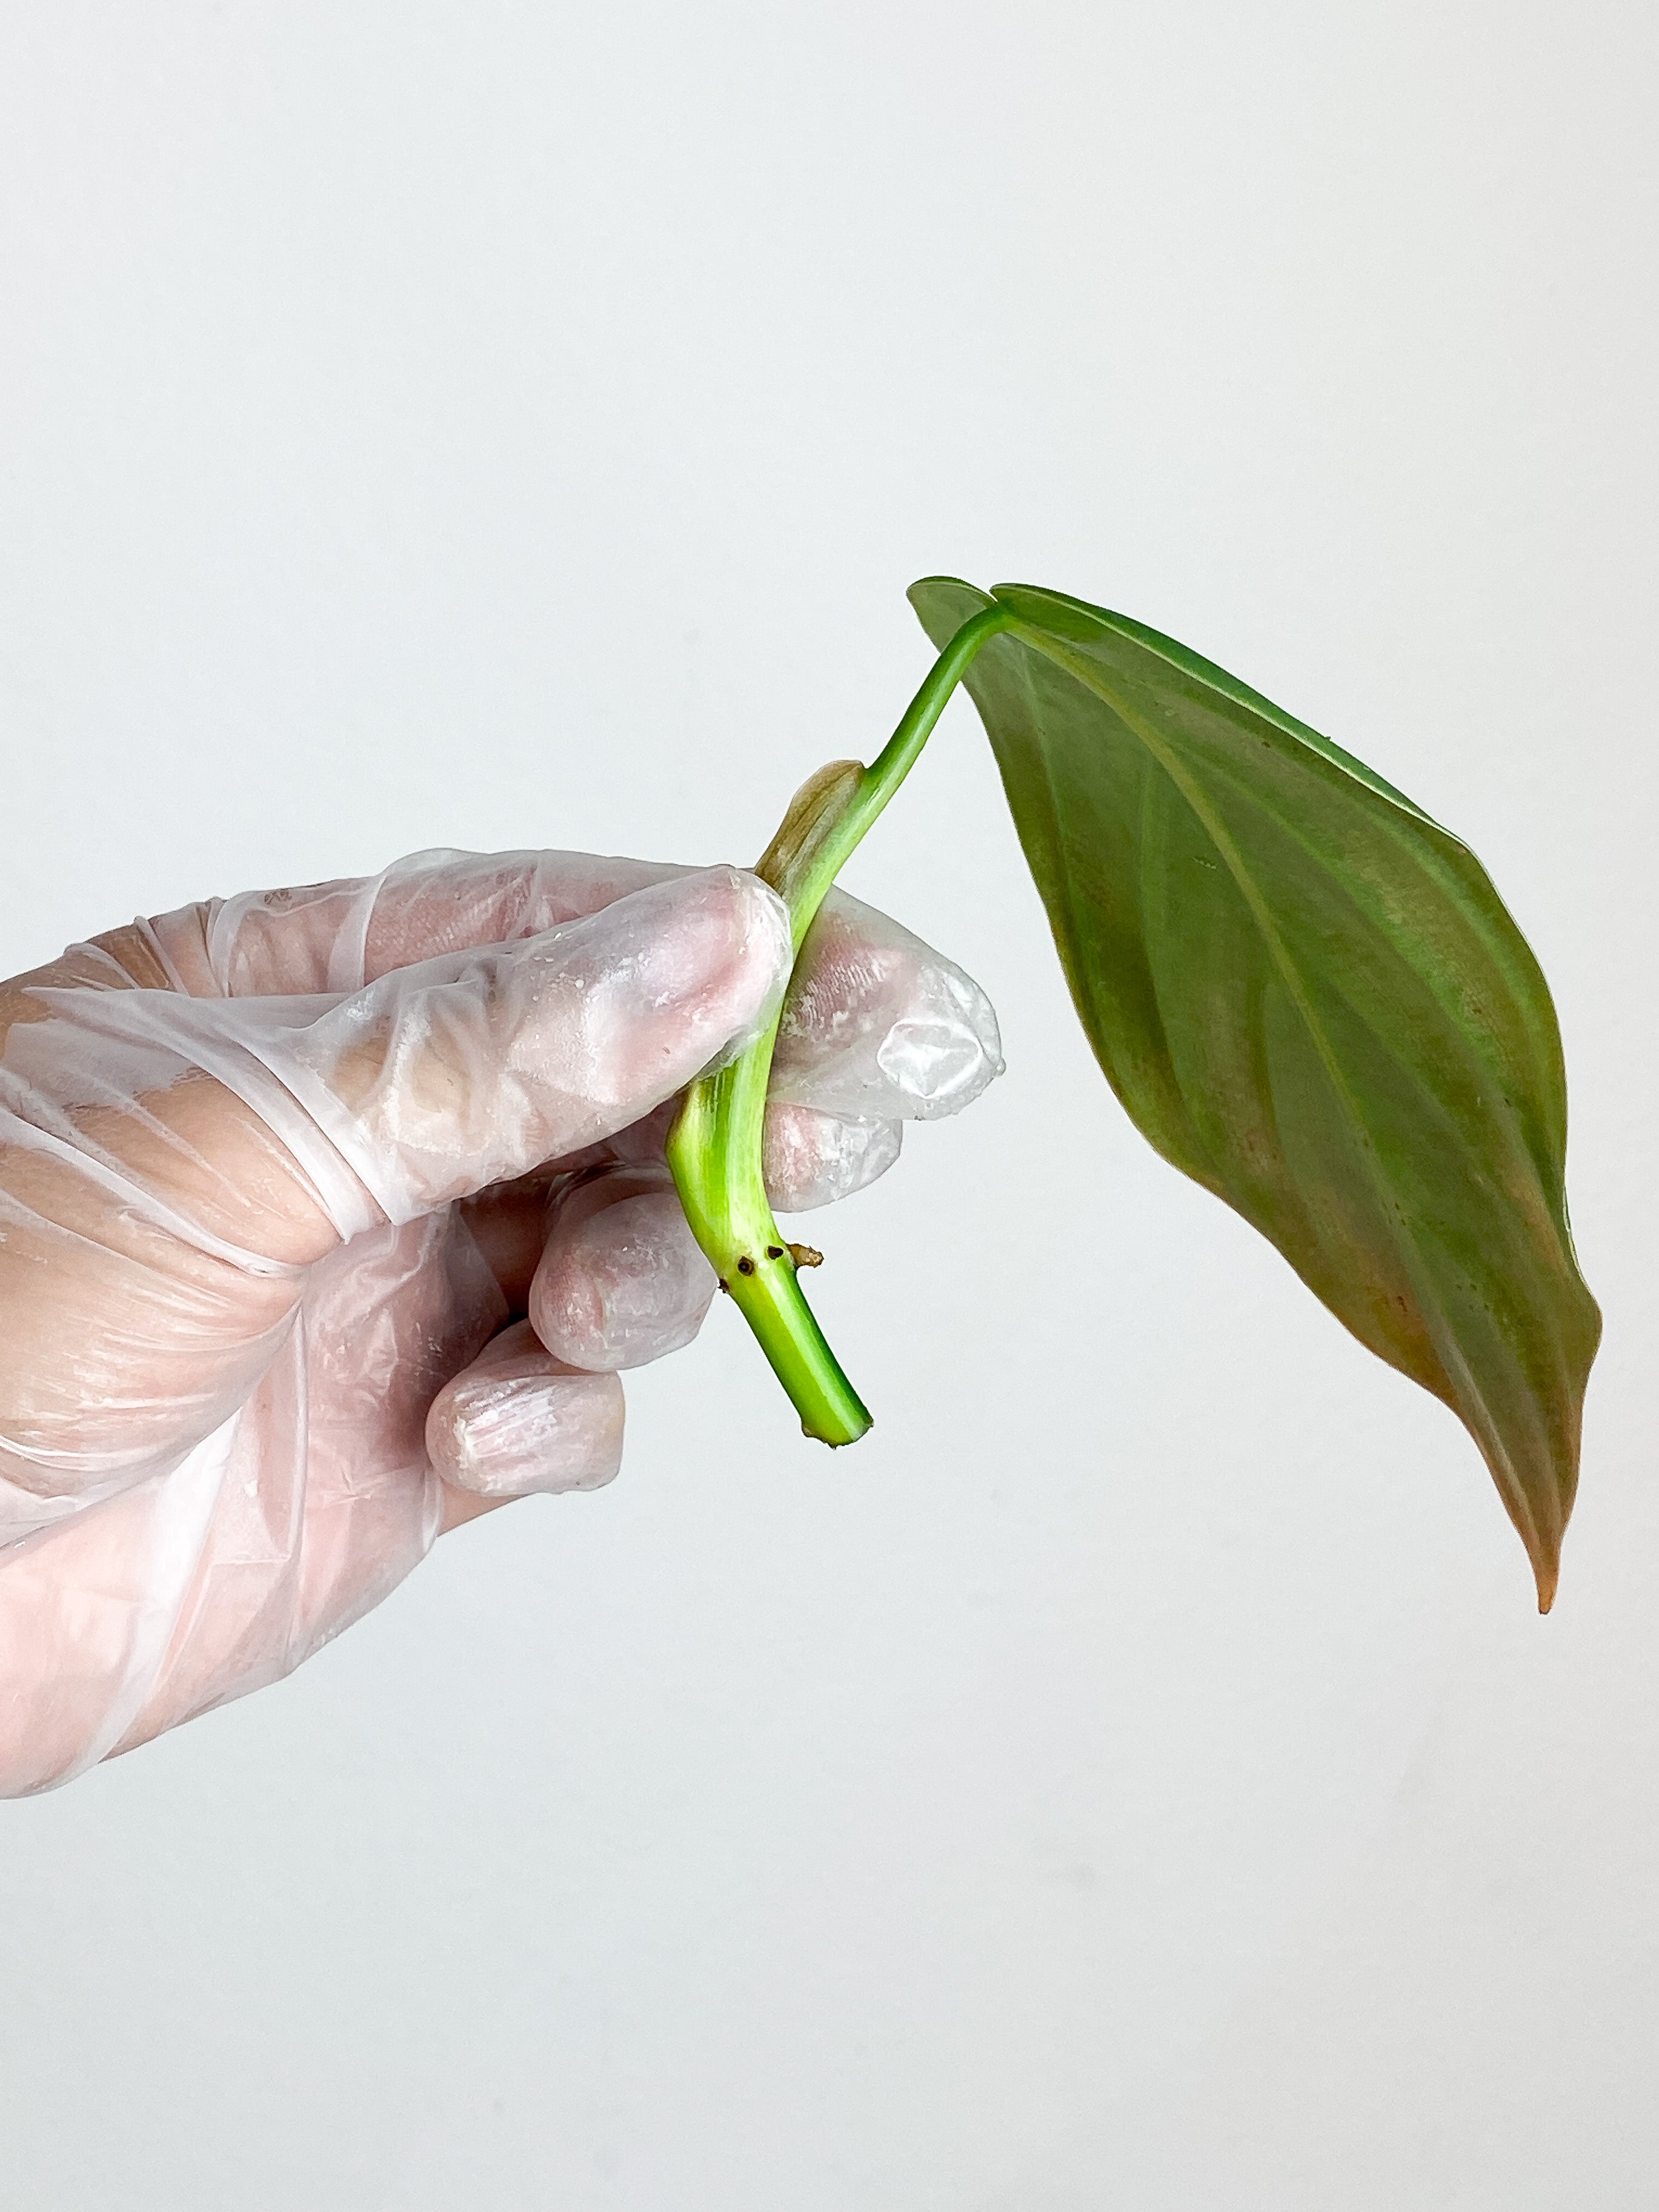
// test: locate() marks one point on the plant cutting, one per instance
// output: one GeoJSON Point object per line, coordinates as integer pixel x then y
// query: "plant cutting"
{"type": "Point", "coordinates": [1307, 995]}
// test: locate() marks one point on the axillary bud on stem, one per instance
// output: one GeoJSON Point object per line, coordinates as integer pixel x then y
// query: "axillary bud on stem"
{"type": "Point", "coordinates": [1306, 993]}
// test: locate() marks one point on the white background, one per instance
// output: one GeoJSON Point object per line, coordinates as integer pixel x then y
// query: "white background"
{"type": "Point", "coordinates": [1136, 1777]}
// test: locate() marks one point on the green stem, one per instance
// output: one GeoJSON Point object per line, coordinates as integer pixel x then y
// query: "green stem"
{"type": "Point", "coordinates": [714, 1146]}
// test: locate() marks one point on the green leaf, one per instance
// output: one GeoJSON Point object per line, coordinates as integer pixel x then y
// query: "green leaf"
{"type": "Point", "coordinates": [1310, 999]}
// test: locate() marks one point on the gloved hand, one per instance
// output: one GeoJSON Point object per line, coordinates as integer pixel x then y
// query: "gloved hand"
{"type": "Point", "coordinates": [328, 1216]}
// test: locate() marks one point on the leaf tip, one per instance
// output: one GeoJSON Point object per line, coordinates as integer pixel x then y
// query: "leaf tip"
{"type": "Point", "coordinates": [1547, 1571]}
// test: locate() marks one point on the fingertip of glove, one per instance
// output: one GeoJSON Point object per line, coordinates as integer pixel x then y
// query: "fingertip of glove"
{"type": "Point", "coordinates": [623, 1287]}
{"type": "Point", "coordinates": [811, 1159]}
{"type": "Point", "coordinates": [729, 932]}
{"type": "Point", "coordinates": [526, 1426]}
{"type": "Point", "coordinates": [695, 971]}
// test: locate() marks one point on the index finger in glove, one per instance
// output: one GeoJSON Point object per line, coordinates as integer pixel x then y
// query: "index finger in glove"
{"type": "Point", "coordinates": [878, 1024]}
{"type": "Point", "coordinates": [471, 1069]}
{"type": "Point", "coordinates": [878, 1028]}
{"type": "Point", "coordinates": [338, 936]}
{"type": "Point", "coordinates": [429, 1085]}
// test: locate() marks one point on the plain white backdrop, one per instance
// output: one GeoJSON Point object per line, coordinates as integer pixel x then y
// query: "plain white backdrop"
{"type": "Point", "coordinates": [1136, 1777]}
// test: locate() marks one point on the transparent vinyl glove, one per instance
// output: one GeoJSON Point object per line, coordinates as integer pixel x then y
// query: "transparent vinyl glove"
{"type": "Point", "coordinates": [328, 1218]}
